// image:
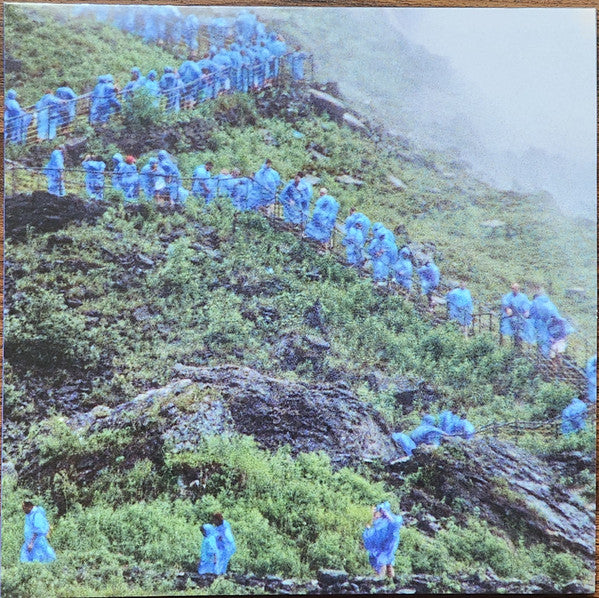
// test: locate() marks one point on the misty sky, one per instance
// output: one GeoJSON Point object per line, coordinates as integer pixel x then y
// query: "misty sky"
{"type": "Point", "coordinates": [534, 67]}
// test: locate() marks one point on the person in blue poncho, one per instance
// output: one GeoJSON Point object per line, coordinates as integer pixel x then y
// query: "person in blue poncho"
{"type": "Point", "coordinates": [245, 193]}
{"type": "Point", "coordinates": [173, 178]}
{"type": "Point", "coordinates": [268, 180]}
{"type": "Point", "coordinates": [454, 425]}
{"type": "Point", "coordinates": [558, 329]}
{"type": "Point", "coordinates": [295, 199]}
{"type": "Point", "coordinates": [573, 417]}
{"type": "Point", "coordinates": [170, 86]}
{"type": "Point", "coordinates": [54, 171]}
{"type": "Point", "coordinates": [223, 183]}
{"type": "Point", "coordinates": [429, 280]}
{"type": "Point", "coordinates": [427, 432]}
{"type": "Point", "coordinates": [277, 48]}
{"type": "Point", "coordinates": [591, 375]}
{"type": "Point", "coordinates": [191, 28]}
{"type": "Point", "coordinates": [153, 87]}
{"type": "Point", "coordinates": [405, 442]}
{"type": "Point", "coordinates": [323, 217]}
{"type": "Point", "coordinates": [16, 120]}
{"type": "Point", "coordinates": [355, 216]}
{"type": "Point", "coordinates": [36, 546]}
{"type": "Point", "coordinates": [218, 30]}
{"type": "Point", "coordinates": [460, 306]}
{"type": "Point", "coordinates": [202, 185]}
{"type": "Point", "coordinates": [117, 165]}
{"type": "Point", "coordinates": [68, 107]}
{"type": "Point", "coordinates": [541, 311]}
{"type": "Point", "coordinates": [296, 63]}
{"type": "Point", "coordinates": [103, 100]}
{"type": "Point", "coordinates": [94, 178]}
{"type": "Point", "coordinates": [381, 539]}
{"type": "Point", "coordinates": [246, 74]}
{"type": "Point", "coordinates": [245, 24]}
{"type": "Point", "coordinates": [136, 82]}
{"type": "Point", "coordinates": [222, 60]}
{"type": "Point", "coordinates": [225, 542]}
{"type": "Point", "coordinates": [354, 243]}
{"type": "Point", "coordinates": [382, 251]}
{"type": "Point", "coordinates": [515, 310]}
{"type": "Point", "coordinates": [130, 178]}
{"type": "Point", "coordinates": [235, 66]}
{"type": "Point", "coordinates": [48, 115]}
{"type": "Point", "coordinates": [190, 75]}
{"type": "Point", "coordinates": [209, 553]}
{"type": "Point", "coordinates": [149, 177]}
{"type": "Point", "coordinates": [403, 269]}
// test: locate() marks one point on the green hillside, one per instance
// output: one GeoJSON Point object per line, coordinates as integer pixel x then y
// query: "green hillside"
{"type": "Point", "coordinates": [101, 310]}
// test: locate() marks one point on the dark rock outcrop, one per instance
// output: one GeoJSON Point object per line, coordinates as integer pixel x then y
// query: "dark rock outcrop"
{"type": "Point", "coordinates": [512, 490]}
{"type": "Point", "coordinates": [46, 213]}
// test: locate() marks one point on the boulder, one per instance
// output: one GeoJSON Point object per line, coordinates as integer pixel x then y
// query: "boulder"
{"type": "Point", "coordinates": [324, 102]}
{"type": "Point", "coordinates": [397, 183]}
{"type": "Point", "coordinates": [346, 179]}
{"type": "Point", "coordinates": [329, 577]}
{"type": "Point", "coordinates": [355, 124]}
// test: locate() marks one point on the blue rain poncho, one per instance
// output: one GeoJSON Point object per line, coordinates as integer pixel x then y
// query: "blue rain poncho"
{"type": "Point", "coordinates": [208, 69]}
{"type": "Point", "coordinates": [149, 176]}
{"type": "Point", "coordinates": [362, 219]}
{"type": "Point", "coordinates": [235, 67]}
{"type": "Point", "coordinates": [190, 75]}
{"type": "Point", "coordinates": [153, 87]}
{"type": "Point", "coordinates": [191, 28]}
{"type": "Point", "coordinates": [382, 251]}
{"type": "Point", "coordinates": [464, 428]}
{"type": "Point", "coordinates": [405, 442]}
{"type": "Point", "coordinates": [591, 374]}
{"type": "Point", "coordinates": [277, 49]}
{"type": "Point", "coordinates": [203, 185]}
{"type": "Point", "coordinates": [218, 30]}
{"type": "Point", "coordinates": [36, 524]}
{"type": "Point", "coordinates": [94, 178]}
{"type": "Point", "coordinates": [573, 417]}
{"type": "Point", "coordinates": [241, 192]}
{"type": "Point", "coordinates": [137, 81]}
{"type": "Point", "coordinates": [130, 181]}
{"type": "Point", "coordinates": [558, 329]}
{"type": "Point", "coordinates": [323, 218]}
{"type": "Point", "coordinates": [16, 120]}
{"type": "Point", "coordinates": [268, 180]}
{"type": "Point", "coordinates": [541, 311]}
{"type": "Point", "coordinates": [262, 56]}
{"type": "Point", "coordinates": [225, 543]}
{"type": "Point", "coordinates": [103, 100]}
{"type": "Point", "coordinates": [172, 175]}
{"type": "Point", "coordinates": [403, 269]}
{"type": "Point", "coordinates": [170, 86]}
{"type": "Point", "coordinates": [68, 107]}
{"type": "Point", "coordinates": [223, 65]}
{"type": "Point", "coordinates": [296, 64]}
{"type": "Point", "coordinates": [223, 183]}
{"type": "Point", "coordinates": [295, 199]}
{"type": "Point", "coordinates": [517, 324]}
{"type": "Point", "coordinates": [427, 432]}
{"type": "Point", "coordinates": [382, 538]}
{"type": "Point", "coordinates": [54, 171]}
{"type": "Point", "coordinates": [429, 277]}
{"type": "Point", "coordinates": [48, 116]}
{"type": "Point", "coordinates": [354, 243]}
{"type": "Point", "coordinates": [245, 75]}
{"type": "Point", "coordinates": [209, 553]}
{"type": "Point", "coordinates": [117, 166]}
{"type": "Point", "coordinates": [459, 304]}
{"type": "Point", "coordinates": [245, 25]}
{"type": "Point", "coordinates": [448, 422]}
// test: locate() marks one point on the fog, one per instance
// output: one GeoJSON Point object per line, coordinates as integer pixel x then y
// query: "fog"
{"type": "Point", "coordinates": [532, 100]}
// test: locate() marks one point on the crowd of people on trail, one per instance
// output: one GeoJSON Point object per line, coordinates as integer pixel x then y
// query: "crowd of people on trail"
{"type": "Point", "coordinates": [251, 62]}
{"type": "Point", "coordinates": [535, 322]}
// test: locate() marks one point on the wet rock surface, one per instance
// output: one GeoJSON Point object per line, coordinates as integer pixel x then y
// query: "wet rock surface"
{"type": "Point", "coordinates": [46, 213]}
{"type": "Point", "coordinates": [510, 488]}
{"type": "Point", "coordinates": [331, 582]}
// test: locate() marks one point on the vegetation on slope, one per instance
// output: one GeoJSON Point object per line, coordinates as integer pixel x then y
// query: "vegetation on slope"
{"type": "Point", "coordinates": [100, 312]}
